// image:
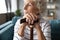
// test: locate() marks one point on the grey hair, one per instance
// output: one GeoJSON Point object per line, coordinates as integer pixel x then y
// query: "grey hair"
{"type": "Point", "coordinates": [37, 2]}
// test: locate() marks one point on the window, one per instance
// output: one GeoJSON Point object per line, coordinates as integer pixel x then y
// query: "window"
{"type": "Point", "coordinates": [3, 8]}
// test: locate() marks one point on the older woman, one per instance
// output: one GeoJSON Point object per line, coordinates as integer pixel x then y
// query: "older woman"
{"type": "Point", "coordinates": [41, 29]}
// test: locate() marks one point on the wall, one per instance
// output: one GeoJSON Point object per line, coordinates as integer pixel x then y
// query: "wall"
{"type": "Point", "coordinates": [21, 5]}
{"type": "Point", "coordinates": [58, 11]}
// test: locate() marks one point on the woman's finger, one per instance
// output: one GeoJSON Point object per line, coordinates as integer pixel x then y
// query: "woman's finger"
{"type": "Point", "coordinates": [32, 16]}
{"type": "Point", "coordinates": [28, 18]}
{"type": "Point", "coordinates": [36, 17]}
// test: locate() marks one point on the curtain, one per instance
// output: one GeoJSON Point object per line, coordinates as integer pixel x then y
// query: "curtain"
{"type": "Point", "coordinates": [18, 4]}
{"type": "Point", "coordinates": [2, 7]}
{"type": "Point", "coordinates": [8, 5]}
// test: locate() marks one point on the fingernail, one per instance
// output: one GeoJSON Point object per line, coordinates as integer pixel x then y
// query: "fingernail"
{"type": "Point", "coordinates": [32, 22]}
{"type": "Point", "coordinates": [29, 21]}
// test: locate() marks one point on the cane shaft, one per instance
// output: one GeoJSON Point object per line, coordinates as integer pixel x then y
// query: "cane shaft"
{"type": "Point", "coordinates": [31, 33]}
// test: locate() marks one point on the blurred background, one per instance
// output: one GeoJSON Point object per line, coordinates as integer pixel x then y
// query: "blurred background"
{"type": "Point", "coordinates": [12, 10]}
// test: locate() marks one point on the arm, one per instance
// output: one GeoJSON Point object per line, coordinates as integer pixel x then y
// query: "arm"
{"type": "Point", "coordinates": [39, 32]}
{"type": "Point", "coordinates": [16, 28]}
{"type": "Point", "coordinates": [21, 29]}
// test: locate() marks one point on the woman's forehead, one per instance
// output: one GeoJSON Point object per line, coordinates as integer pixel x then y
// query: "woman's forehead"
{"type": "Point", "coordinates": [28, 1]}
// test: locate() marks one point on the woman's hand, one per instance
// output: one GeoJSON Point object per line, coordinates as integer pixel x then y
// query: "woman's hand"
{"type": "Point", "coordinates": [30, 17]}
{"type": "Point", "coordinates": [21, 29]}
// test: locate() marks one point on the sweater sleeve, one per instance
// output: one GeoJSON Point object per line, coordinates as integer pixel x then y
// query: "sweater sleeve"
{"type": "Point", "coordinates": [16, 36]}
{"type": "Point", "coordinates": [47, 31]}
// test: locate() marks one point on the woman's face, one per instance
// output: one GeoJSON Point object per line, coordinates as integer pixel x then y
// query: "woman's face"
{"type": "Point", "coordinates": [30, 7]}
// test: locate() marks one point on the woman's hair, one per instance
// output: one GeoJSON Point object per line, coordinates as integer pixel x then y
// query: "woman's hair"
{"type": "Point", "coordinates": [40, 4]}
{"type": "Point", "coordinates": [35, 1]}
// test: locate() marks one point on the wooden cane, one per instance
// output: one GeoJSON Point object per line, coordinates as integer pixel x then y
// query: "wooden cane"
{"type": "Point", "coordinates": [31, 32]}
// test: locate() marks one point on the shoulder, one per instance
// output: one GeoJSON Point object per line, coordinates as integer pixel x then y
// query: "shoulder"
{"type": "Point", "coordinates": [17, 25]}
{"type": "Point", "coordinates": [18, 21]}
{"type": "Point", "coordinates": [44, 22]}
{"type": "Point", "coordinates": [45, 25]}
